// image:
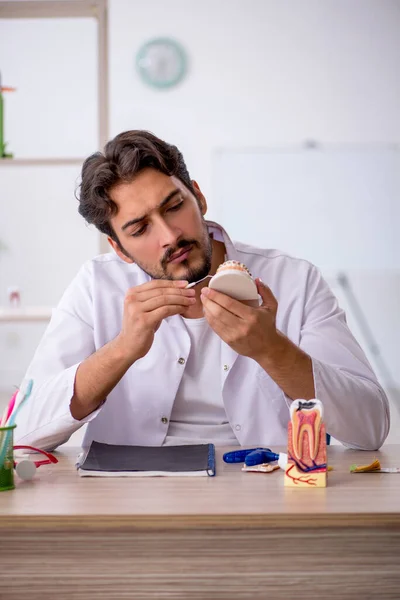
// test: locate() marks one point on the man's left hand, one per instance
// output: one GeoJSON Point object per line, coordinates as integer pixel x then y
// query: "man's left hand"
{"type": "Point", "coordinates": [249, 331]}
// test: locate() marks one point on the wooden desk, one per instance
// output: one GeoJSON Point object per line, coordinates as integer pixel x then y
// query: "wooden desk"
{"type": "Point", "coordinates": [237, 535]}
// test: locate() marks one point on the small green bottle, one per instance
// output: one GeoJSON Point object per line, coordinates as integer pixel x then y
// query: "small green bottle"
{"type": "Point", "coordinates": [3, 153]}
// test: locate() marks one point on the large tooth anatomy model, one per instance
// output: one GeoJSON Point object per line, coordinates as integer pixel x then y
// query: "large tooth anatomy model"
{"type": "Point", "coordinates": [306, 466]}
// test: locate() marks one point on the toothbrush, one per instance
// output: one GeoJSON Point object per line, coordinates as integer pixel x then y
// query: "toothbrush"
{"type": "Point", "coordinates": [17, 406]}
{"type": "Point", "coordinates": [9, 409]}
{"type": "Point", "coordinates": [11, 420]}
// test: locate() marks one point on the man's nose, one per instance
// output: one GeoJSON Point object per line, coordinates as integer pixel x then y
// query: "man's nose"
{"type": "Point", "coordinates": [168, 235]}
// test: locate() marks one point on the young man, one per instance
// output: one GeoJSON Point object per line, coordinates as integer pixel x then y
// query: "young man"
{"type": "Point", "coordinates": [143, 360]}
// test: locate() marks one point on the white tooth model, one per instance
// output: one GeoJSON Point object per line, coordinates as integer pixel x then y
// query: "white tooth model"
{"type": "Point", "coordinates": [234, 279]}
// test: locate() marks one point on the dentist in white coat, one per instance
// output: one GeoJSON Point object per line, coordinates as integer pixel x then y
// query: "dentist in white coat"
{"type": "Point", "coordinates": [145, 361]}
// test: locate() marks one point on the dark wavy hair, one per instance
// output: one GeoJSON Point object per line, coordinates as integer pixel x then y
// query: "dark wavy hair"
{"type": "Point", "coordinates": [123, 158]}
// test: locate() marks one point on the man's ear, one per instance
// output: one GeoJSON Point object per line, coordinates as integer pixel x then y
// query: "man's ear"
{"type": "Point", "coordinates": [116, 247]}
{"type": "Point", "coordinates": [199, 195]}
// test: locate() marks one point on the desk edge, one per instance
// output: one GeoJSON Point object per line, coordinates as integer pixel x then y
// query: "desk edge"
{"type": "Point", "coordinates": [255, 521]}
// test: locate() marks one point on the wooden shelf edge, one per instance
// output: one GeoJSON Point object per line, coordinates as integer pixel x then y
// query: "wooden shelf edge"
{"type": "Point", "coordinates": [29, 313]}
{"type": "Point", "coordinates": [38, 162]}
{"type": "Point", "coordinates": [42, 9]}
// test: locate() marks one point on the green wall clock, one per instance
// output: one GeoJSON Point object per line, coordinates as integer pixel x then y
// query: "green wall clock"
{"type": "Point", "coordinates": [161, 63]}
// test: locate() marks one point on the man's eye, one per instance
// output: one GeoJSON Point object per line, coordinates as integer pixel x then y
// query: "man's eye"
{"type": "Point", "coordinates": [175, 207]}
{"type": "Point", "coordinates": [139, 231]}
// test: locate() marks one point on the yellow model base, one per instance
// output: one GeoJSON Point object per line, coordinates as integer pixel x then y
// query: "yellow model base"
{"type": "Point", "coordinates": [299, 479]}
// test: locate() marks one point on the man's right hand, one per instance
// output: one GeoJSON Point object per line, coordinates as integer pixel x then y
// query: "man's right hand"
{"type": "Point", "coordinates": [145, 306]}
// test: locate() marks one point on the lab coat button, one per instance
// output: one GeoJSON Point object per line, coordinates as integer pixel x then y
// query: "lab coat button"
{"type": "Point", "coordinates": [226, 367]}
{"type": "Point", "coordinates": [164, 420]}
{"type": "Point", "coordinates": [181, 361]}
{"type": "Point", "coordinates": [237, 427]}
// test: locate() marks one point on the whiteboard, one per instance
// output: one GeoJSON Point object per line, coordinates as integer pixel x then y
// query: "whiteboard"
{"type": "Point", "coordinates": [337, 207]}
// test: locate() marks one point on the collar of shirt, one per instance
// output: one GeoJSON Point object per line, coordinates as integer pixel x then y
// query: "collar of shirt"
{"type": "Point", "coordinates": [220, 235]}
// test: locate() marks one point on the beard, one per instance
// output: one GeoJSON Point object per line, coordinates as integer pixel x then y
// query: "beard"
{"type": "Point", "coordinates": [191, 273]}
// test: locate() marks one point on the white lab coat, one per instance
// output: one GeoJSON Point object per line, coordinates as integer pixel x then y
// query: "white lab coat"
{"type": "Point", "coordinates": [138, 409]}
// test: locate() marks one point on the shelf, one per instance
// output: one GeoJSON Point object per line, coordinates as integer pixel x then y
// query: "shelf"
{"type": "Point", "coordinates": [28, 313]}
{"type": "Point", "coordinates": [40, 162]}
{"type": "Point", "coordinates": [44, 9]}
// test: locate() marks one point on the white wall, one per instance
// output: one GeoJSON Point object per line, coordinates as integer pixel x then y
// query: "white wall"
{"type": "Point", "coordinates": [262, 73]}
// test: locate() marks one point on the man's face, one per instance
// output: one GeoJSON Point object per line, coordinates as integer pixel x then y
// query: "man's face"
{"type": "Point", "coordinates": [161, 228]}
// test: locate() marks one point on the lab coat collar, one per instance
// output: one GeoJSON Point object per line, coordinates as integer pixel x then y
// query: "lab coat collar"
{"type": "Point", "coordinates": [218, 233]}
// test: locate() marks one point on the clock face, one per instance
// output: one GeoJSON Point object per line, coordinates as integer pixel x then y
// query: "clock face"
{"type": "Point", "coordinates": [161, 63]}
